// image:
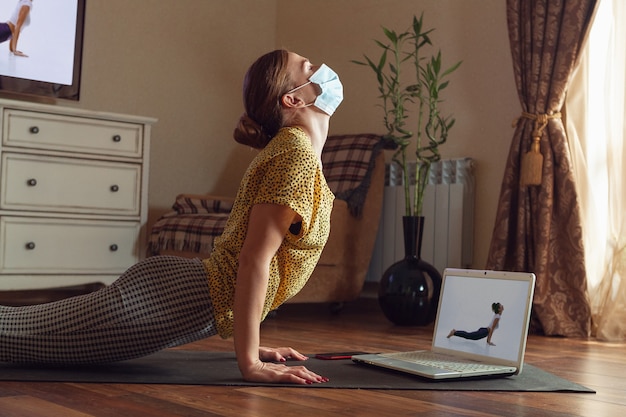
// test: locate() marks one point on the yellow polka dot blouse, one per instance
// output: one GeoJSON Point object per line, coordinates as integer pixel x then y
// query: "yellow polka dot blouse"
{"type": "Point", "coordinates": [285, 172]}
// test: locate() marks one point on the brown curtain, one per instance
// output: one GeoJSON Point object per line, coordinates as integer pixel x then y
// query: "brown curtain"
{"type": "Point", "coordinates": [538, 225]}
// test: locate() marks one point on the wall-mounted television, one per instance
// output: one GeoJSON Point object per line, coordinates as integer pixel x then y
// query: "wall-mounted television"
{"type": "Point", "coordinates": [52, 42]}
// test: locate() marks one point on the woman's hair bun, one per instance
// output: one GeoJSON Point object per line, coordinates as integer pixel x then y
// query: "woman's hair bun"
{"type": "Point", "coordinates": [250, 133]}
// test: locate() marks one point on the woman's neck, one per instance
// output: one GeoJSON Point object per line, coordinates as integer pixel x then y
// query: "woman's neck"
{"type": "Point", "coordinates": [315, 124]}
{"type": "Point", "coordinates": [317, 130]}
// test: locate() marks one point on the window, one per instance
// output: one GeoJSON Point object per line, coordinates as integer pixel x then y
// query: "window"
{"type": "Point", "coordinates": [595, 114]}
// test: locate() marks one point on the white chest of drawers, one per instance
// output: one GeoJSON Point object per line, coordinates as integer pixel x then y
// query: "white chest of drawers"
{"type": "Point", "coordinates": [73, 195]}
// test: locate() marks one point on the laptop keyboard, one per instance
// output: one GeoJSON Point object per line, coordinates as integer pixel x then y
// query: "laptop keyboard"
{"type": "Point", "coordinates": [437, 361]}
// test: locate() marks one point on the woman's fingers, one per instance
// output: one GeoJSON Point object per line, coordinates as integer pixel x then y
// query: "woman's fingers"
{"type": "Point", "coordinates": [296, 374]}
{"type": "Point", "coordinates": [308, 376]}
{"type": "Point", "coordinates": [278, 373]}
{"type": "Point", "coordinates": [280, 354]}
{"type": "Point", "coordinates": [291, 353]}
{"type": "Point", "coordinates": [269, 371]}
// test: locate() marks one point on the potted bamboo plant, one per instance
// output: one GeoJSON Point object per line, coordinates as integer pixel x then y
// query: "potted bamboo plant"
{"type": "Point", "coordinates": [410, 81]}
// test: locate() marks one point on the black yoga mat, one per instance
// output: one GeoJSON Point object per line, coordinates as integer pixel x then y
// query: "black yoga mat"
{"type": "Point", "coordinates": [180, 367]}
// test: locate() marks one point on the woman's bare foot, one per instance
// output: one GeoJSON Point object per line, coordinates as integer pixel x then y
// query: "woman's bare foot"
{"type": "Point", "coordinates": [19, 53]}
{"type": "Point", "coordinates": [451, 333]}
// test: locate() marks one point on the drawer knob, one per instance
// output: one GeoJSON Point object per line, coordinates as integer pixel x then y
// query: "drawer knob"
{"type": "Point", "coordinates": [115, 188]}
{"type": "Point", "coordinates": [30, 245]}
{"type": "Point", "coordinates": [31, 182]}
{"type": "Point", "coordinates": [117, 138]}
{"type": "Point", "coordinates": [113, 248]}
{"type": "Point", "coordinates": [34, 130]}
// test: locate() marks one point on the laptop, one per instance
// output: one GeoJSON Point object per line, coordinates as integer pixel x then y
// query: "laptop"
{"type": "Point", "coordinates": [470, 301]}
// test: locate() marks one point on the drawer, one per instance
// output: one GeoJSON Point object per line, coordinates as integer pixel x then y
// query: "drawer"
{"type": "Point", "coordinates": [71, 134]}
{"type": "Point", "coordinates": [69, 185]}
{"type": "Point", "coordinates": [66, 246]}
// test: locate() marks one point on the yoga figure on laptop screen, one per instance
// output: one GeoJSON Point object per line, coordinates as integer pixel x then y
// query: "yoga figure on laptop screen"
{"type": "Point", "coordinates": [483, 332]}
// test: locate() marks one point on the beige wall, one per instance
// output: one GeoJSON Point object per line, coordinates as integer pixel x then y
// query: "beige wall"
{"type": "Point", "coordinates": [182, 61]}
{"type": "Point", "coordinates": [481, 94]}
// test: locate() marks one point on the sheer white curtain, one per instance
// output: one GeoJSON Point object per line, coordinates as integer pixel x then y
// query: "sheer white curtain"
{"type": "Point", "coordinates": [596, 131]}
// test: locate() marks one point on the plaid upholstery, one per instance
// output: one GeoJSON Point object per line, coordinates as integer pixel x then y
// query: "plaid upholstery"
{"type": "Point", "coordinates": [197, 220]}
{"type": "Point", "coordinates": [198, 204]}
{"type": "Point", "coordinates": [186, 232]}
{"type": "Point", "coordinates": [348, 161]}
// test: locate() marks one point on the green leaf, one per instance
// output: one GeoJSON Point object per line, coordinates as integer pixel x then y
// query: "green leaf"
{"type": "Point", "coordinates": [382, 45]}
{"type": "Point", "coordinates": [382, 61]}
{"type": "Point", "coordinates": [391, 35]}
{"type": "Point", "coordinates": [452, 68]}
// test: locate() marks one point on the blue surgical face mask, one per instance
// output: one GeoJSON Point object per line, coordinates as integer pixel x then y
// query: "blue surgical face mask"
{"type": "Point", "coordinates": [332, 90]}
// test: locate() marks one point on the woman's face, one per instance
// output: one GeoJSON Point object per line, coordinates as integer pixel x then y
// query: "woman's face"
{"type": "Point", "coordinates": [501, 309]}
{"type": "Point", "coordinates": [301, 70]}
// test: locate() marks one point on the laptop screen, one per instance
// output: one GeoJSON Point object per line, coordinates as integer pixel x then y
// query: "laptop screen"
{"type": "Point", "coordinates": [473, 302]}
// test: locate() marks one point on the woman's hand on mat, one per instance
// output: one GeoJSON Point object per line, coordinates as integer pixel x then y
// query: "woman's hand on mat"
{"type": "Point", "coordinates": [279, 373]}
{"type": "Point", "coordinates": [280, 354]}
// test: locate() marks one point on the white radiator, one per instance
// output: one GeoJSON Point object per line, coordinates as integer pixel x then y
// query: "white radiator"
{"type": "Point", "coordinates": [449, 218]}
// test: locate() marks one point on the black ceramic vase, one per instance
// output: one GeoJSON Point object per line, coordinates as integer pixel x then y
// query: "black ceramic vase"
{"type": "Point", "coordinates": [409, 289]}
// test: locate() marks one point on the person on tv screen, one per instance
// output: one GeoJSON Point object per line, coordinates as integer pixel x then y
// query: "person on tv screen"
{"type": "Point", "coordinates": [271, 243]}
{"type": "Point", "coordinates": [12, 29]}
{"type": "Point", "coordinates": [483, 332]}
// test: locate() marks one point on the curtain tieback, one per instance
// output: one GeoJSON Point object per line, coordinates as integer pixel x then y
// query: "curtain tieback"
{"type": "Point", "coordinates": [532, 161]}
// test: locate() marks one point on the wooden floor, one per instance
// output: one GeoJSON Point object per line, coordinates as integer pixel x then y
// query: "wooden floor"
{"type": "Point", "coordinates": [310, 329]}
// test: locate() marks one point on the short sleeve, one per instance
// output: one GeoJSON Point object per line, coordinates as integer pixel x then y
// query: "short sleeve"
{"type": "Point", "coordinates": [291, 182]}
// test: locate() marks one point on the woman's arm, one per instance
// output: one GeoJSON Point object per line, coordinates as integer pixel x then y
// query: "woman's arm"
{"type": "Point", "coordinates": [267, 227]}
{"type": "Point", "coordinates": [491, 329]}
{"type": "Point", "coordinates": [21, 18]}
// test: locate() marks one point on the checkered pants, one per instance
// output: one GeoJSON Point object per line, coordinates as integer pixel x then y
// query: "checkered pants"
{"type": "Point", "coordinates": [161, 302]}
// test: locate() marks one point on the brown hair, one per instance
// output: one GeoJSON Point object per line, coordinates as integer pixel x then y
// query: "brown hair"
{"type": "Point", "coordinates": [265, 83]}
